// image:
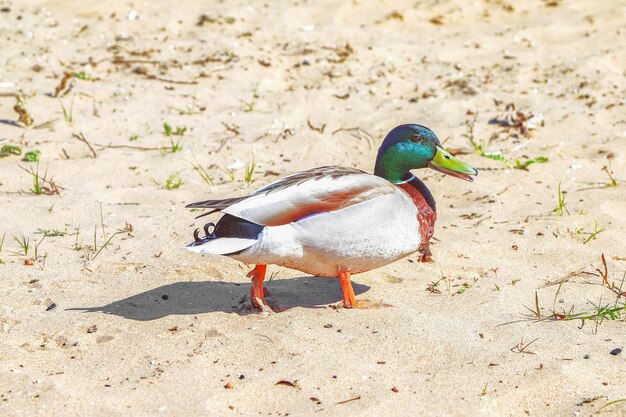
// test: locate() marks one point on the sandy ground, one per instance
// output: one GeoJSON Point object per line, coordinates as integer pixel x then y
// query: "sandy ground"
{"type": "Point", "coordinates": [142, 327]}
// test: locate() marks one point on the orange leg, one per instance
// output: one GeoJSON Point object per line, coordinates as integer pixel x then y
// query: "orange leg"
{"type": "Point", "coordinates": [349, 300]}
{"type": "Point", "coordinates": [257, 292]}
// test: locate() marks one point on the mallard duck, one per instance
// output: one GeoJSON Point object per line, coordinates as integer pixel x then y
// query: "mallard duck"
{"type": "Point", "coordinates": [334, 221]}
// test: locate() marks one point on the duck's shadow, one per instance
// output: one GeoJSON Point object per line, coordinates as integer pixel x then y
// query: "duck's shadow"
{"type": "Point", "coordinates": [183, 298]}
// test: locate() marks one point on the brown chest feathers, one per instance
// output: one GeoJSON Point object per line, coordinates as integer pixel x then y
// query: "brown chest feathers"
{"type": "Point", "coordinates": [426, 214]}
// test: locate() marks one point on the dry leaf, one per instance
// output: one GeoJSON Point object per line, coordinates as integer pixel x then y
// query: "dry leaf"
{"type": "Point", "coordinates": [62, 87]}
{"type": "Point", "coordinates": [521, 120]}
{"type": "Point", "coordinates": [394, 15]}
{"type": "Point", "coordinates": [437, 20]}
{"type": "Point", "coordinates": [287, 383]}
{"type": "Point", "coordinates": [20, 109]}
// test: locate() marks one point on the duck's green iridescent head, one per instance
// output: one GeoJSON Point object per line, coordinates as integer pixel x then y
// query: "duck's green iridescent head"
{"type": "Point", "coordinates": [411, 146]}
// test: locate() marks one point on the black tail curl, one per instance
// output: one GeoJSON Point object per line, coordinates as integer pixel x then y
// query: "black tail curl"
{"type": "Point", "coordinates": [227, 226]}
{"type": "Point", "coordinates": [207, 236]}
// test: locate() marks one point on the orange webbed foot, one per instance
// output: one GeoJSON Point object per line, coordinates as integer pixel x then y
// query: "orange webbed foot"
{"type": "Point", "coordinates": [425, 259]}
{"type": "Point", "coordinates": [364, 305]}
{"type": "Point", "coordinates": [370, 305]}
{"type": "Point", "coordinates": [260, 305]}
{"type": "Point", "coordinates": [350, 301]}
{"type": "Point", "coordinates": [426, 255]}
{"type": "Point", "coordinates": [257, 292]}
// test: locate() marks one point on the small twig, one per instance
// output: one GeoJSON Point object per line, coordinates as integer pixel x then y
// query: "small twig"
{"type": "Point", "coordinates": [283, 134]}
{"type": "Point", "coordinates": [139, 148]}
{"type": "Point", "coordinates": [608, 171]}
{"type": "Point", "coordinates": [234, 129]}
{"type": "Point", "coordinates": [267, 337]}
{"type": "Point", "coordinates": [566, 278]}
{"type": "Point", "coordinates": [317, 129]}
{"type": "Point", "coordinates": [47, 124]}
{"type": "Point", "coordinates": [521, 347]}
{"type": "Point", "coordinates": [83, 139]}
{"type": "Point", "coordinates": [165, 80]}
{"type": "Point", "coordinates": [605, 275]}
{"type": "Point", "coordinates": [505, 189]}
{"type": "Point", "coordinates": [351, 399]}
{"type": "Point", "coordinates": [231, 128]}
{"type": "Point", "coordinates": [357, 133]}
{"type": "Point", "coordinates": [344, 129]}
{"type": "Point", "coordinates": [142, 71]}
{"type": "Point", "coordinates": [120, 60]}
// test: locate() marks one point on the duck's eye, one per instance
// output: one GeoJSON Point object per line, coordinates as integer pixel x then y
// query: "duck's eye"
{"type": "Point", "coordinates": [417, 139]}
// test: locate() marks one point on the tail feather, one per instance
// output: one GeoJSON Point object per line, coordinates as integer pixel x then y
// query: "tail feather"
{"type": "Point", "coordinates": [230, 235]}
{"type": "Point", "coordinates": [216, 204]}
{"type": "Point", "coordinates": [221, 246]}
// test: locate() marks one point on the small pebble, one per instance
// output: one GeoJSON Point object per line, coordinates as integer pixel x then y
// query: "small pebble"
{"type": "Point", "coordinates": [53, 305]}
{"type": "Point", "coordinates": [586, 356]}
{"type": "Point", "coordinates": [164, 296]}
{"type": "Point", "coordinates": [616, 351]}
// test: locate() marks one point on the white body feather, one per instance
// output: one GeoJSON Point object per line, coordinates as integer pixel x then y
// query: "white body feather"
{"type": "Point", "coordinates": [358, 238]}
{"type": "Point", "coordinates": [361, 222]}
